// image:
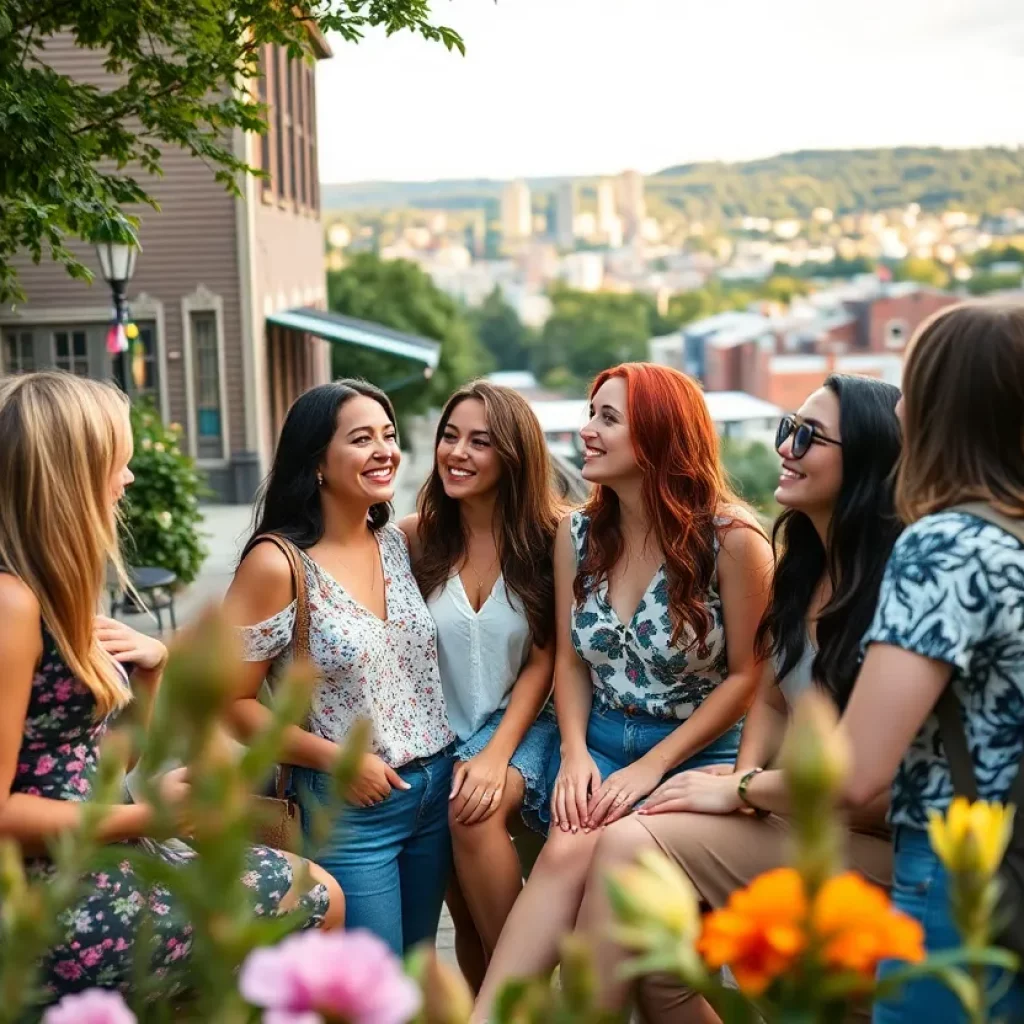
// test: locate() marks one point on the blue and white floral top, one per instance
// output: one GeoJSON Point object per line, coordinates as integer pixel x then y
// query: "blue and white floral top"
{"type": "Point", "coordinates": [954, 592]}
{"type": "Point", "coordinates": [632, 665]}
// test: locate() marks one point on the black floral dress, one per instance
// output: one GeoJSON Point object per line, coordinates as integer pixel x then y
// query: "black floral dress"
{"type": "Point", "coordinates": [57, 760]}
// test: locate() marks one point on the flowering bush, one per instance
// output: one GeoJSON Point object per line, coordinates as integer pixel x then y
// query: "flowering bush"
{"type": "Point", "coordinates": [802, 942]}
{"type": "Point", "coordinates": [161, 508]}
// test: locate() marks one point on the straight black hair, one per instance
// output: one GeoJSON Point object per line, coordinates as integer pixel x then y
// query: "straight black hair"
{"type": "Point", "coordinates": [289, 501]}
{"type": "Point", "coordinates": [861, 534]}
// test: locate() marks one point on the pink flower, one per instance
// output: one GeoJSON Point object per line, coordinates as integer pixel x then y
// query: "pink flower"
{"type": "Point", "coordinates": [45, 765]}
{"type": "Point", "coordinates": [348, 975]}
{"type": "Point", "coordinates": [94, 1006]}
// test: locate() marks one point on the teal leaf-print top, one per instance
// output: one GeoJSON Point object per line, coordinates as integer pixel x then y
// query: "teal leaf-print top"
{"type": "Point", "coordinates": [633, 666]}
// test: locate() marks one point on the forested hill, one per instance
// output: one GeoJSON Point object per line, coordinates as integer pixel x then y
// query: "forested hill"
{"type": "Point", "coordinates": [847, 181]}
{"type": "Point", "coordinates": [791, 184]}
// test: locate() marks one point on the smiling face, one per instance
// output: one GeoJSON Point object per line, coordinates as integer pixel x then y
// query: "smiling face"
{"type": "Point", "coordinates": [608, 456]}
{"type": "Point", "coordinates": [466, 459]}
{"type": "Point", "coordinates": [812, 483]}
{"type": "Point", "coordinates": [361, 460]}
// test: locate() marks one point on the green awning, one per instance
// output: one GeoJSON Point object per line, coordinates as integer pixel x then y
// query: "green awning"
{"type": "Point", "coordinates": [347, 330]}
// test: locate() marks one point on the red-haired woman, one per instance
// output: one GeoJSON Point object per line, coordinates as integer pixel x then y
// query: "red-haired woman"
{"type": "Point", "coordinates": [660, 582]}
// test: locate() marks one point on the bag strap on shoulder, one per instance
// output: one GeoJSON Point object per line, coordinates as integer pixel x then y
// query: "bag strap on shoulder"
{"type": "Point", "coordinates": [300, 631]}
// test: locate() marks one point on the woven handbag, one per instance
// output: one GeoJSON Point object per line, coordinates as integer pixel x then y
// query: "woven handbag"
{"type": "Point", "coordinates": [278, 815]}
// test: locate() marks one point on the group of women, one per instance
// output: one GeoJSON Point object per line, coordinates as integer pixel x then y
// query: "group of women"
{"type": "Point", "coordinates": [672, 636]}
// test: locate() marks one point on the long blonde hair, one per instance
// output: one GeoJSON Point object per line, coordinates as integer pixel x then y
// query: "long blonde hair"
{"type": "Point", "coordinates": [60, 440]}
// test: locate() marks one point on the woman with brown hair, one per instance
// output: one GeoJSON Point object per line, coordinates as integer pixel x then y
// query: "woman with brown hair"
{"type": "Point", "coordinates": [67, 674]}
{"type": "Point", "coordinates": [945, 652]}
{"type": "Point", "coordinates": [660, 582]}
{"type": "Point", "coordinates": [481, 544]}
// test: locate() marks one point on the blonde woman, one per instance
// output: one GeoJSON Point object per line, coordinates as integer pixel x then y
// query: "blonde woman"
{"type": "Point", "coordinates": [64, 465]}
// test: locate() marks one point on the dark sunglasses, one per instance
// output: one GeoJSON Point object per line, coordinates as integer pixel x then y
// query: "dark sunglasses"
{"type": "Point", "coordinates": [804, 434]}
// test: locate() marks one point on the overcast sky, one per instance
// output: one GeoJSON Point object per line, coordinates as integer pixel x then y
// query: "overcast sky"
{"type": "Point", "coordinates": [595, 86]}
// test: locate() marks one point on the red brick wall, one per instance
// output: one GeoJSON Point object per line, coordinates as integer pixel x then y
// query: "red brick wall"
{"type": "Point", "coordinates": [911, 310]}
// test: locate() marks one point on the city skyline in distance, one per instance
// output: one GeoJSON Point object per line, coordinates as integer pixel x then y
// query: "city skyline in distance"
{"type": "Point", "coordinates": [562, 88]}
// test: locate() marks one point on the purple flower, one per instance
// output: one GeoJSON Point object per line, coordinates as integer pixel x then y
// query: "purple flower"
{"type": "Point", "coordinates": [351, 976]}
{"type": "Point", "coordinates": [94, 1006]}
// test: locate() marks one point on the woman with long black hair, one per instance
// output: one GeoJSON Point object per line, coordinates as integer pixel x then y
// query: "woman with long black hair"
{"type": "Point", "coordinates": [373, 641]}
{"type": "Point", "coordinates": [832, 542]}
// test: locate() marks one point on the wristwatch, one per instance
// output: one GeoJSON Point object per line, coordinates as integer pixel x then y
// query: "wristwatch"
{"type": "Point", "coordinates": [741, 791]}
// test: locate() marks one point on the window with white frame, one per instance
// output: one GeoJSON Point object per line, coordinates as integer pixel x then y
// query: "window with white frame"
{"type": "Point", "coordinates": [206, 384]}
{"type": "Point", "coordinates": [18, 352]}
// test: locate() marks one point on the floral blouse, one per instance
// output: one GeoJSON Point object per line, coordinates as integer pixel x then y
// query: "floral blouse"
{"type": "Point", "coordinates": [384, 671]}
{"type": "Point", "coordinates": [633, 665]}
{"type": "Point", "coordinates": [954, 592]}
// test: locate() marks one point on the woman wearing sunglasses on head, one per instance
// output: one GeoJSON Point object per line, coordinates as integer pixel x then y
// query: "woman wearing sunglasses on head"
{"type": "Point", "coordinates": [832, 541]}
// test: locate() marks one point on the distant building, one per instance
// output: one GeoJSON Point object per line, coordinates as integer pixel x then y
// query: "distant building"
{"type": "Point", "coordinates": [781, 360]}
{"type": "Point", "coordinates": [565, 215]}
{"type": "Point", "coordinates": [516, 213]}
{"type": "Point", "coordinates": [632, 207]}
{"type": "Point", "coordinates": [609, 227]}
{"type": "Point", "coordinates": [583, 271]}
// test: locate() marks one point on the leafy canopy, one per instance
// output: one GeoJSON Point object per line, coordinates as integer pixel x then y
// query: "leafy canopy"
{"type": "Point", "coordinates": [72, 152]}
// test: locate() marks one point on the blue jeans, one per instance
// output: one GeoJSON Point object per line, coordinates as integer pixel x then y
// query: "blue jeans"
{"type": "Point", "coordinates": [616, 739]}
{"type": "Point", "coordinates": [920, 889]}
{"type": "Point", "coordinates": [392, 859]}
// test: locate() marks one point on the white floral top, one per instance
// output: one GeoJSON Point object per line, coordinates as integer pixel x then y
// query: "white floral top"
{"type": "Point", "coordinates": [383, 671]}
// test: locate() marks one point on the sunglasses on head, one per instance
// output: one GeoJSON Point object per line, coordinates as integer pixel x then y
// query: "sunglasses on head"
{"type": "Point", "coordinates": [804, 434]}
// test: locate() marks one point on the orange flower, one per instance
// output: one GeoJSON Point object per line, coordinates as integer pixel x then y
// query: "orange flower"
{"type": "Point", "coordinates": [859, 927]}
{"type": "Point", "coordinates": [763, 930]}
{"type": "Point", "coordinates": [760, 932]}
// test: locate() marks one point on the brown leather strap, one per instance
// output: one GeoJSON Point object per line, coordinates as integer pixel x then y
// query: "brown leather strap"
{"type": "Point", "coordinates": [300, 630]}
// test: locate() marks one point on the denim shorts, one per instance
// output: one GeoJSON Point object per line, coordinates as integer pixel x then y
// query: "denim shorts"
{"type": "Point", "coordinates": [920, 888]}
{"type": "Point", "coordinates": [531, 759]}
{"type": "Point", "coordinates": [616, 740]}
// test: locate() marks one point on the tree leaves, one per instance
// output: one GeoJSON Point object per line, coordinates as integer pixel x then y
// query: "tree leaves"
{"type": "Point", "coordinates": [74, 153]}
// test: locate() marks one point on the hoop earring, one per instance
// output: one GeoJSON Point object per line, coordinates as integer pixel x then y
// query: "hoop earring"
{"type": "Point", "coordinates": [319, 478]}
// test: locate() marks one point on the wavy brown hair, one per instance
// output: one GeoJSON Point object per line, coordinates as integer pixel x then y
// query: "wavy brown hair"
{"type": "Point", "coordinates": [963, 411]}
{"type": "Point", "coordinates": [526, 512]}
{"type": "Point", "coordinates": [683, 486]}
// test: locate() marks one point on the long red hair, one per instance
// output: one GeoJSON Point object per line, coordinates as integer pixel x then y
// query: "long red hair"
{"type": "Point", "coordinates": [683, 486]}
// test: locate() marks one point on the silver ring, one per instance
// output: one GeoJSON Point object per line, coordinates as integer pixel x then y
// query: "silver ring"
{"type": "Point", "coordinates": [488, 795]}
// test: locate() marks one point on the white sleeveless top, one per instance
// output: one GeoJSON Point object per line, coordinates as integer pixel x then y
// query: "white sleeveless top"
{"type": "Point", "coordinates": [480, 654]}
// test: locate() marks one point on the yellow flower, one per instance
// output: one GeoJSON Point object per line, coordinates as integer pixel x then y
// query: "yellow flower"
{"type": "Point", "coordinates": [971, 838]}
{"type": "Point", "coordinates": [655, 891]}
{"type": "Point", "coordinates": [858, 926]}
{"type": "Point", "coordinates": [760, 933]}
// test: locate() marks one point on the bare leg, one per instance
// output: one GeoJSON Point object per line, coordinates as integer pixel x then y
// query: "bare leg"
{"type": "Point", "coordinates": [469, 950]}
{"type": "Point", "coordinates": [335, 916]}
{"type": "Point", "coordinates": [545, 911]}
{"type": "Point", "coordinates": [619, 845]}
{"type": "Point", "coordinates": [487, 864]}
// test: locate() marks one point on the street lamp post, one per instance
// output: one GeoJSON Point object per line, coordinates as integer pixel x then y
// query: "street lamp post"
{"type": "Point", "coordinates": [117, 264]}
